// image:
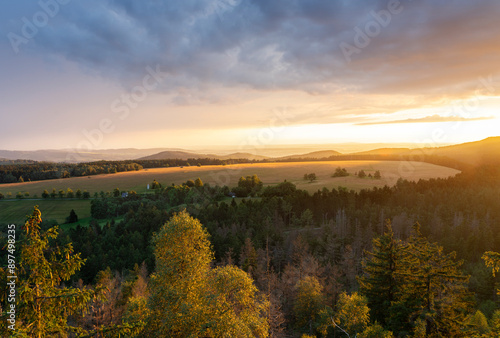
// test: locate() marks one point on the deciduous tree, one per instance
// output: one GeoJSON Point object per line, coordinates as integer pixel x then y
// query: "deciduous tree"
{"type": "Point", "coordinates": [188, 298]}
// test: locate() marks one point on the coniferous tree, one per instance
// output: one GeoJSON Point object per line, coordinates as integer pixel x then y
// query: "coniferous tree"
{"type": "Point", "coordinates": [73, 217]}
{"type": "Point", "coordinates": [431, 287]}
{"type": "Point", "coordinates": [378, 282]}
{"type": "Point", "coordinates": [44, 303]}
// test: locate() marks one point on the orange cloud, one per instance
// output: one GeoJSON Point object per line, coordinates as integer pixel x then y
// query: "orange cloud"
{"type": "Point", "coordinates": [429, 119]}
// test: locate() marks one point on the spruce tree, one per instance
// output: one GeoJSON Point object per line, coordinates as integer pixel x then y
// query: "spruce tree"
{"type": "Point", "coordinates": [431, 287]}
{"type": "Point", "coordinates": [44, 303]}
{"type": "Point", "coordinates": [378, 283]}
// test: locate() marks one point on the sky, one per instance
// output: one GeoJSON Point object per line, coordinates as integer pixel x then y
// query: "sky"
{"type": "Point", "coordinates": [100, 74]}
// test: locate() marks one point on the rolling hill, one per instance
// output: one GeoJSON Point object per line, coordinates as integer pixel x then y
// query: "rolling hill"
{"type": "Point", "coordinates": [486, 151]}
{"type": "Point", "coordinates": [471, 153]}
{"type": "Point", "coordinates": [312, 155]}
{"type": "Point", "coordinates": [72, 155]}
{"type": "Point", "coordinates": [385, 152]}
{"type": "Point", "coordinates": [184, 155]}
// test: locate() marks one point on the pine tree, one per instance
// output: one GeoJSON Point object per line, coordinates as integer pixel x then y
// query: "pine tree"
{"type": "Point", "coordinates": [248, 257]}
{"type": "Point", "coordinates": [44, 302]}
{"type": "Point", "coordinates": [378, 282]}
{"type": "Point", "coordinates": [73, 217]}
{"type": "Point", "coordinates": [430, 287]}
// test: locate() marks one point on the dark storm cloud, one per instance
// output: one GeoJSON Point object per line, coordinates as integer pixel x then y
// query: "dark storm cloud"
{"type": "Point", "coordinates": [431, 48]}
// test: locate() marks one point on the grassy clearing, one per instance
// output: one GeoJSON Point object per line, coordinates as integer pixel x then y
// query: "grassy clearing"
{"type": "Point", "coordinates": [270, 173]}
{"type": "Point", "coordinates": [15, 211]}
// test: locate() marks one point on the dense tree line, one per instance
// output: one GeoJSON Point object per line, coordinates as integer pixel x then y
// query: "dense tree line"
{"type": "Point", "coordinates": [37, 171]}
{"type": "Point", "coordinates": [23, 171]}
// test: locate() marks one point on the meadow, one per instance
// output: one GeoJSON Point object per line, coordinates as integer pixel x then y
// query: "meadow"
{"type": "Point", "coordinates": [269, 173]}
{"type": "Point", "coordinates": [13, 210]}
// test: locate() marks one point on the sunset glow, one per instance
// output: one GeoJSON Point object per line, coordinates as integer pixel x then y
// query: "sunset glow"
{"type": "Point", "coordinates": [227, 71]}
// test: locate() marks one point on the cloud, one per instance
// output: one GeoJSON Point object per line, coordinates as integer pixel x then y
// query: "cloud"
{"type": "Point", "coordinates": [430, 49]}
{"type": "Point", "coordinates": [430, 119]}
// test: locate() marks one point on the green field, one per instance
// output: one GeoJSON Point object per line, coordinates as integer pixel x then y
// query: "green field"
{"type": "Point", "coordinates": [270, 173]}
{"type": "Point", "coordinates": [15, 211]}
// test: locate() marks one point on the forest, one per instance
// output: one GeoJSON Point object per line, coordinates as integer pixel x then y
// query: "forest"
{"type": "Point", "coordinates": [413, 260]}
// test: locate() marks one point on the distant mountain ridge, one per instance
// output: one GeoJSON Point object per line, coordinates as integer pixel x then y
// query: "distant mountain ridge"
{"type": "Point", "coordinates": [312, 155]}
{"type": "Point", "coordinates": [71, 155]}
{"type": "Point", "coordinates": [384, 151]}
{"type": "Point", "coordinates": [470, 153]}
{"type": "Point", "coordinates": [184, 155]}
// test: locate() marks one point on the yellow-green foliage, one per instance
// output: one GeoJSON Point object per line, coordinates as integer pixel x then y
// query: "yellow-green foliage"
{"type": "Point", "coordinates": [495, 323]}
{"type": "Point", "coordinates": [492, 260]}
{"type": "Point", "coordinates": [189, 299]}
{"type": "Point", "coordinates": [479, 323]}
{"type": "Point", "coordinates": [352, 313]}
{"type": "Point", "coordinates": [43, 302]}
{"type": "Point", "coordinates": [376, 331]}
{"type": "Point", "coordinates": [419, 331]}
{"type": "Point", "coordinates": [183, 256]}
{"type": "Point", "coordinates": [234, 304]}
{"type": "Point", "coordinates": [308, 302]}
